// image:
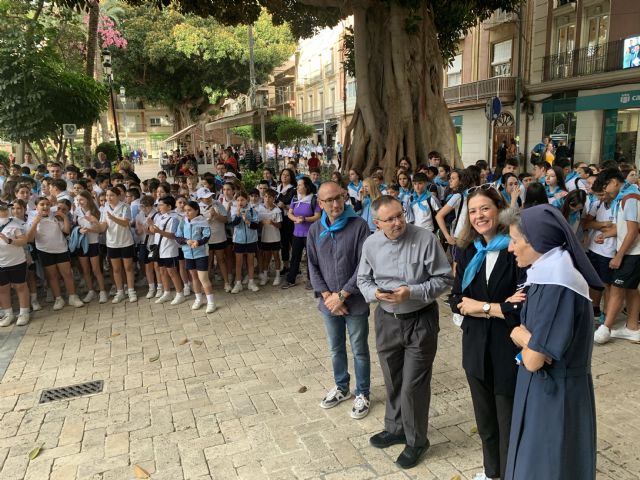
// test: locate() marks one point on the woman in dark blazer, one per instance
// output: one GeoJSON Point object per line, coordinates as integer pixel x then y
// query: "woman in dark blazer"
{"type": "Point", "coordinates": [486, 293]}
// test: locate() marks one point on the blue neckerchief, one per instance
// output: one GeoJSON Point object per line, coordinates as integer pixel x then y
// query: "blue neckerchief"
{"type": "Point", "coordinates": [404, 192]}
{"type": "Point", "coordinates": [441, 183]}
{"type": "Point", "coordinates": [497, 243]}
{"type": "Point", "coordinates": [573, 174]}
{"type": "Point", "coordinates": [574, 217]}
{"type": "Point", "coordinates": [498, 183]}
{"type": "Point", "coordinates": [543, 180]}
{"type": "Point", "coordinates": [626, 189]}
{"type": "Point", "coordinates": [355, 187]}
{"type": "Point", "coordinates": [507, 196]}
{"type": "Point", "coordinates": [366, 201]}
{"type": "Point", "coordinates": [382, 187]}
{"type": "Point", "coordinates": [338, 224]}
{"type": "Point", "coordinates": [426, 195]}
{"type": "Point", "coordinates": [550, 194]}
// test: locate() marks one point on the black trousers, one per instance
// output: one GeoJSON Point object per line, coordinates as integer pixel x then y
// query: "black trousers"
{"type": "Point", "coordinates": [286, 237]}
{"type": "Point", "coordinates": [297, 245]}
{"type": "Point", "coordinates": [493, 418]}
{"type": "Point", "coordinates": [406, 349]}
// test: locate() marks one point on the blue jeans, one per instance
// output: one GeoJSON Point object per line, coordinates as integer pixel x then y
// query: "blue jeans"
{"type": "Point", "coordinates": [358, 328]}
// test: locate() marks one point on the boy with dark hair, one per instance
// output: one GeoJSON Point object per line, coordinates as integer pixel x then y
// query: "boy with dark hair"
{"type": "Point", "coordinates": [423, 206]}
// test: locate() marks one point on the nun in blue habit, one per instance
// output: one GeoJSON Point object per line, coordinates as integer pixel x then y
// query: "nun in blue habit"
{"type": "Point", "coordinates": [553, 427]}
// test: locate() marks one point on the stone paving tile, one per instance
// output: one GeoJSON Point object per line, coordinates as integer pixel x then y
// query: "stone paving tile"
{"type": "Point", "coordinates": [195, 396]}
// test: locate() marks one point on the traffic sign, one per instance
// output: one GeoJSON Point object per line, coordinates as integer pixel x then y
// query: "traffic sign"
{"type": "Point", "coordinates": [69, 130]}
{"type": "Point", "coordinates": [492, 108]}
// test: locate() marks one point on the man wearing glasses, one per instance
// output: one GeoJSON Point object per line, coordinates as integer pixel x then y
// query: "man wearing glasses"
{"type": "Point", "coordinates": [405, 269]}
{"type": "Point", "coordinates": [334, 245]}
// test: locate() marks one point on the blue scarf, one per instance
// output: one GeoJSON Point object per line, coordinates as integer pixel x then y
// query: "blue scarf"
{"type": "Point", "coordinates": [426, 195]}
{"type": "Point", "coordinates": [497, 243]}
{"type": "Point", "coordinates": [404, 192]}
{"type": "Point", "coordinates": [507, 196]}
{"type": "Point", "coordinates": [626, 189]}
{"type": "Point", "coordinates": [573, 174]}
{"type": "Point", "coordinates": [441, 183]}
{"type": "Point", "coordinates": [382, 187]}
{"type": "Point", "coordinates": [338, 224]}
{"type": "Point", "coordinates": [355, 187]}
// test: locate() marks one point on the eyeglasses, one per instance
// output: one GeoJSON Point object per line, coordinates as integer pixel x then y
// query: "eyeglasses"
{"type": "Point", "coordinates": [329, 201]}
{"type": "Point", "coordinates": [484, 186]}
{"type": "Point", "coordinates": [398, 218]}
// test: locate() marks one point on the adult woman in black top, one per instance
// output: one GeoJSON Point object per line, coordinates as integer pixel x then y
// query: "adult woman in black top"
{"type": "Point", "coordinates": [286, 191]}
{"type": "Point", "coordinates": [485, 292]}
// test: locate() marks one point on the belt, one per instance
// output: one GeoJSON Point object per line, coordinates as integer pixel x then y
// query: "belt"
{"type": "Point", "coordinates": [414, 314]}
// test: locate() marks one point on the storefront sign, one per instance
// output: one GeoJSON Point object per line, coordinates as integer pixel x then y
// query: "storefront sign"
{"type": "Point", "coordinates": [609, 101]}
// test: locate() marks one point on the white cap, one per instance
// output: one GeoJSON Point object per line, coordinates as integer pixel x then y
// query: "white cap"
{"type": "Point", "coordinates": [230, 174]}
{"type": "Point", "coordinates": [204, 193]}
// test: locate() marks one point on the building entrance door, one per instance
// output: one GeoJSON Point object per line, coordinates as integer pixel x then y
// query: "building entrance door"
{"type": "Point", "coordinates": [503, 131]}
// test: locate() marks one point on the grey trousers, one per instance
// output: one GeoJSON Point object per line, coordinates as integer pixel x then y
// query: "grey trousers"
{"type": "Point", "coordinates": [406, 349]}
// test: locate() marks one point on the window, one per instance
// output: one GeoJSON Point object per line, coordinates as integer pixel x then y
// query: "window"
{"type": "Point", "coordinates": [454, 72]}
{"type": "Point", "coordinates": [501, 64]}
{"type": "Point", "coordinates": [301, 103]}
{"type": "Point", "coordinates": [310, 102]}
{"type": "Point", "coordinates": [155, 121]}
{"type": "Point", "coordinates": [332, 96]}
{"type": "Point", "coordinates": [351, 88]}
{"type": "Point", "coordinates": [566, 38]}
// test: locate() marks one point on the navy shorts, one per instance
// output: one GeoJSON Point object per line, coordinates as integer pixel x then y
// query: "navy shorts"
{"type": "Point", "coordinates": [218, 246]}
{"type": "Point", "coordinates": [200, 264]}
{"type": "Point", "coordinates": [49, 259]}
{"type": "Point", "coordinates": [270, 247]}
{"type": "Point", "coordinates": [92, 251]}
{"type": "Point", "coordinates": [245, 247]}
{"type": "Point", "coordinates": [15, 274]}
{"type": "Point", "coordinates": [124, 252]}
{"type": "Point", "coordinates": [168, 262]}
{"type": "Point", "coordinates": [601, 265]}
{"type": "Point", "coordinates": [628, 275]}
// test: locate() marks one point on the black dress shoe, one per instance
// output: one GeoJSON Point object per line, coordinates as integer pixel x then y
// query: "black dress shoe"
{"type": "Point", "coordinates": [410, 456]}
{"type": "Point", "coordinates": [385, 439]}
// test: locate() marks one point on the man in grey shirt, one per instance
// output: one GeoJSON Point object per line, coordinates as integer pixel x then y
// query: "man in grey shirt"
{"type": "Point", "coordinates": [334, 245]}
{"type": "Point", "coordinates": [405, 269]}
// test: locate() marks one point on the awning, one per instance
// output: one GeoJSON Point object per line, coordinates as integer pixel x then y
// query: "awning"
{"type": "Point", "coordinates": [180, 134]}
{"type": "Point", "coordinates": [245, 118]}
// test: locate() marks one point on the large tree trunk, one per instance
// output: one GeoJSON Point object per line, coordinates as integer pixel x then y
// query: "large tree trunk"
{"type": "Point", "coordinates": [400, 110]}
{"type": "Point", "coordinates": [92, 44]}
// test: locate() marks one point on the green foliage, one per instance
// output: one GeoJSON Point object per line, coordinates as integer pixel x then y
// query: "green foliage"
{"type": "Point", "coordinates": [245, 132]}
{"type": "Point", "coordinates": [250, 179]}
{"type": "Point", "coordinates": [109, 149]}
{"type": "Point", "coordinates": [278, 129]}
{"type": "Point", "coordinates": [292, 130]}
{"type": "Point", "coordinates": [349, 52]}
{"type": "Point", "coordinates": [4, 157]}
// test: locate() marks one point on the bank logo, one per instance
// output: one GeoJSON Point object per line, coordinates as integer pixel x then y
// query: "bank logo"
{"type": "Point", "coordinates": [625, 98]}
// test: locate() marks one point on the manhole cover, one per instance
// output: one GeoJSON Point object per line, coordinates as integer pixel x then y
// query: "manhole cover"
{"type": "Point", "coordinates": [72, 391]}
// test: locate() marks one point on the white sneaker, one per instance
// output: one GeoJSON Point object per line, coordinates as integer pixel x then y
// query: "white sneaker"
{"type": "Point", "coordinates": [186, 291]}
{"type": "Point", "coordinates": [165, 297]}
{"type": "Point", "coordinates": [360, 407]}
{"type": "Point", "coordinates": [7, 320]}
{"type": "Point", "coordinates": [480, 476]}
{"type": "Point", "coordinates": [89, 296]}
{"type": "Point", "coordinates": [133, 297]}
{"type": "Point", "coordinates": [103, 297]}
{"type": "Point", "coordinates": [59, 304]}
{"type": "Point", "coordinates": [35, 306]}
{"type": "Point", "coordinates": [263, 279]}
{"type": "Point", "coordinates": [276, 280]}
{"type": "Point", "coordinates": [159, 293]}
{"type": "Point", "coordinates": [252, 286]}
{"type": "Point", "coordinates": [151, 293]}
{"type": "Point", "coordinates": [23, 319]}
{"type": "Point", "coordinates": [626, 334]}
{"type": "Point", "coordinates": [602, 335]}
{"type": "Point", "coordinates": [118, 298]}
{"type": "Point", "coordinates": [211, 307]}
{"type": "Point", "coordinates": [178, 299]}
{"type": "Point", "coordinates": [196, 304]}
{"type": "Point", "coordinates": [245, 280]}
{"type": "Point", "coordinates": [227, 287]}
{"type": "Point", "coordinates": [237, 288]}
{"type": "Point", "coordinates": [74, 301]}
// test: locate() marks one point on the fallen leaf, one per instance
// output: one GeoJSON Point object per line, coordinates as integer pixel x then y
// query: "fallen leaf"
{"type": "Point", "coordinates": [302, 389]}
{"type": "Point", "coordinates": [183, 341]}
{"type": "Point", "coordinates": [35, 452]}
{"type": "Point", "coordinates": [474, 430]}
{"type": "Point", "coordinates": [116, 334]}
{"type": "Point", "coordinates": [198, 342]}
{"type": "Point", "coordinates": [140, 472]}
{"type": "Point", "coordinates": [456, 477]}
{"type": "Point", "coordinates": [154, 358]}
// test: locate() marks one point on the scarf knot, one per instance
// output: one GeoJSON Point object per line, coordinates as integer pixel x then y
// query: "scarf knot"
{"type": "Point", "coordinates": [426, 195]}
{"type": "Point", "coordinates": [626, 189]}
{"type": "Point", "coordinates": [338, 224]}
{"type": "Point", "coordinates": [497, 243]}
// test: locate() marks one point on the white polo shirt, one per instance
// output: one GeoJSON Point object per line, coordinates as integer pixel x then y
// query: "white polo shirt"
{"type": "Point", "coordinates": [270, 234]}
{"type": "Point", "coordinates": [50, 237]}
{"type": "Point", "coordinates": [11, 255]}
{"type": "Point", "coordinates": [168, 222]}
{"type": "Point", "coordinates": [118, 236]}
{"type": "Point", "coordinates": [218, 229]}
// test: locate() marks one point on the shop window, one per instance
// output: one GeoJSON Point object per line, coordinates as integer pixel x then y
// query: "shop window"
{"type": "Point", "coordinates": [454, 72]}
{"type": "Point", "coordinates": [501, 63]}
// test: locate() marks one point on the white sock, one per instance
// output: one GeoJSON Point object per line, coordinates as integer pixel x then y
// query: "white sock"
{"type": "Point", "coordinates": [58, 297]}
{"type": "Point", "coordinates": [210, 298]}
{"type": "Point", "coordinates": [132, 291]}
{"type": "Point", "coordinates": [24, 311]}
{"type": "Point", "coordinates": [167, 292]}
{"type": "Point", "coordinates": [198, 297]}
{"type": "Point", "coordinates": [152, 286]}
{"type": "Point", "coordinates": [119, 292]}
{"type": "Point", "coordinates": [159, 286]}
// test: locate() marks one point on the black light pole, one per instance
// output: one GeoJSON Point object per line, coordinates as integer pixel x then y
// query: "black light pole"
{"type": "Point", "coordinates": [106, 64]}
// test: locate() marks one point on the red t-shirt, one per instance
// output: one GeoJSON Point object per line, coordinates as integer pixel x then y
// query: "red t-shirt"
{"type": "Point", "coordinates": [313, 162]}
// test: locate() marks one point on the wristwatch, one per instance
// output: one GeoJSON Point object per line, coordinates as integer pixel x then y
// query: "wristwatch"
{"type": "Point", "coordinates": [486, 308]}
{"type": "Point", "coordinates": [341, 297]}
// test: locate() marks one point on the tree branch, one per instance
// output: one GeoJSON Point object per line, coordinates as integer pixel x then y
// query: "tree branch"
{"type": "Point", "coordinates": [324, 3]}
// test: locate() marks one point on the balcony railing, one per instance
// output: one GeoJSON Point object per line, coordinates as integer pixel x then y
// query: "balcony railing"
{"type": "Point", "coordinates": [312, 116]}
{"type": "Point", "coordinates": [606, 57]}
{"type": "Point", "coordinates": [130, 104]}
{"type": "Point", "coordinates": [498, 18]}
{"type": "Point", "coordinates": [503, 87]}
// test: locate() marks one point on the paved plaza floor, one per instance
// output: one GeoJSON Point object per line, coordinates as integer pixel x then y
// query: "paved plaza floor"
{"type": "Point", "coordinates": [235, 394]}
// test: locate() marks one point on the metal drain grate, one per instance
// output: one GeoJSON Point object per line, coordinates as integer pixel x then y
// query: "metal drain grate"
{"type": "Point", "coordinates": [72, 391]}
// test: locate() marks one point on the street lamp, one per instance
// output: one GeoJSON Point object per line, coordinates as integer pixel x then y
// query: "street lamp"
{"type": "Point", "coordinates": [123, 100]}
{"type": "Point", "coordinates": [106, 64]}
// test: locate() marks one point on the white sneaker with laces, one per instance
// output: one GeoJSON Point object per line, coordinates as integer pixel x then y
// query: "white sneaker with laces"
{"type": "Point", "coordinates": [178, 299]}
{"type": "Point", "coordinates": [360, 407]}
{"type": "Point", "coordinates": [196, 304]}
{"type": "Point", "coordinates": [602, 335]}
{"type": "Point", "coordinates": [91, 294]}
{"type": "Point", "coordinates": [118, 297]}
{"type": "Point", "coordinates": [625, 333]}
{"type": "Point", "coordinates": [59, 304]}
{"type": "Point", "coordinates": [159, 293]}
{"type": "Point", "coordinates": [211, 307]}
{"type": "Point", "coordinates": [237, 288]}
{"type": "Point", "coordinates": [252, 286]}
{"type": "Point", "coordinates": [334, 397]}
{"type": "Point", "coordinates": [151, 293]}
{"type": "Point", "coordinates": [35, 306]}
{"type": "Point", "coordinates": [133, 296]}
{"type": "Point", "coordinates": [103, 297]}
{"type": "Point", "coordinates": [165, 297]}
{"type": "Point", "coordinates": [7, 320]}
{"type": "Point", "coordinates": [23, 319]}
{"type": "Point", "coordinates": [74, 301]}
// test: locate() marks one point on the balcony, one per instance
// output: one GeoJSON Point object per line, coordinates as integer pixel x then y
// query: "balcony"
{"type": "Point", "coordinates": [312, 116]}
{"type": "Point", "coordinates": [281, 98]}
{"type": "Point", "coordinates": [606, 57]}
{"type": "Point", "coordinates": [499, 17]}
{"type": "Point", "coordinates": [478, 92]}
{"type": "Point", "coordinates": [130, 105]}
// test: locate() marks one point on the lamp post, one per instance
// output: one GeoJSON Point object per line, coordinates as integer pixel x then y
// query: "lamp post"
{"type": "Point", "coordinates": [123, 100]}
{"type": "Point", "coordinates": [106, 64]}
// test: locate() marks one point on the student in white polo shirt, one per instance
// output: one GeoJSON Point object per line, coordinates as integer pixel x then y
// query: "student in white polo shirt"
{"type": "Point", "coordinates": [13, 268]}
{"type": "Point", "coordinates": [216, 215]}
{"type": "Point", "coordinates": [115, 220]}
